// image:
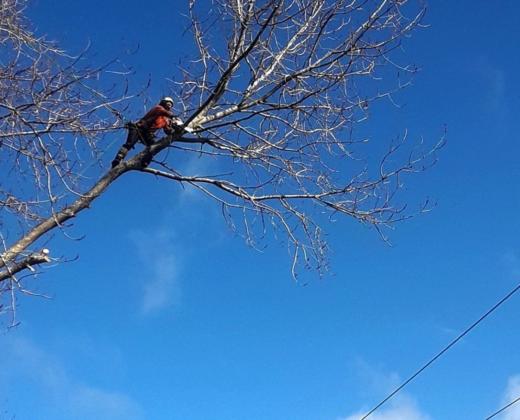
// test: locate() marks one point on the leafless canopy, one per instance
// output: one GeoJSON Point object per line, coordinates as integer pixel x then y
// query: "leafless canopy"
{"type": "Point", "coordinates": [273, 95]}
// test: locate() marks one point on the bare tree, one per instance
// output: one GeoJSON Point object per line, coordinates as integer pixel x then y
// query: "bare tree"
{"type": "Point", "coordinates": [274, 96]}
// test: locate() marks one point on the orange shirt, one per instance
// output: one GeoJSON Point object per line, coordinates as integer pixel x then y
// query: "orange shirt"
{"type": "Point", "coordinates": [158, 117]}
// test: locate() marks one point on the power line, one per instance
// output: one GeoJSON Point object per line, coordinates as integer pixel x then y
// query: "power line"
{"type": "Point", "coordinates": [503, 409]}
{"type": "Point", "coordinates": [444, 350]}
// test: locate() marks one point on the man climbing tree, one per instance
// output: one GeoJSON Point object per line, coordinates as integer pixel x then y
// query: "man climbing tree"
{"type": "Point", "coordinates": [159, 117]}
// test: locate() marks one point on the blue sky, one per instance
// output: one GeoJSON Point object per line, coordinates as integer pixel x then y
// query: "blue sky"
{"type": "Point", "coordinates": [167, 315]}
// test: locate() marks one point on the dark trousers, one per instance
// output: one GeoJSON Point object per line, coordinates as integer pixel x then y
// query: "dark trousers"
{"type": "Point", "coordinates": [135, 134]}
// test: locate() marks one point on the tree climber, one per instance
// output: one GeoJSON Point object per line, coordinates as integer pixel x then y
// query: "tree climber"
{"type": "Point", "coordinates": [144, 130]}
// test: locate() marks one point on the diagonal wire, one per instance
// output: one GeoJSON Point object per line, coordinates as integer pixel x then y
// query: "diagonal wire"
{"type": "Point", "coordinates": [503, 409]}
{"type": "Point", "coordinates": [444, 350]}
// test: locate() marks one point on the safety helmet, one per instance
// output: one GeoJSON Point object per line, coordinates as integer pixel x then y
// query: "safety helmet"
{"type": "Point", "coordinates": [167, 99]}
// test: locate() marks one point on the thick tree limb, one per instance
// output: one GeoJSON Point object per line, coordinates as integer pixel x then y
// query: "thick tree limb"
{"type": "Point", "coordinates": [26, 263]}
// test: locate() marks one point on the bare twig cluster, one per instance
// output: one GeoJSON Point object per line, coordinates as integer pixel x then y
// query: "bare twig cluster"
{"type": "Point", "coordinates": [53, 113]}
{"type": "Point", "coordinates": [278, 102]}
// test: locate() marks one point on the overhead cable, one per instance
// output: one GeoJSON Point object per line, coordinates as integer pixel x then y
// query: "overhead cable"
{"type": "Point", "coordinates": [444, 350]}
{"type": "Point", "coordinates": [505, 407]}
